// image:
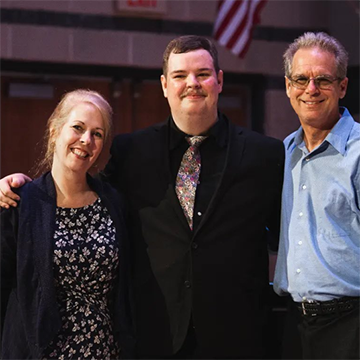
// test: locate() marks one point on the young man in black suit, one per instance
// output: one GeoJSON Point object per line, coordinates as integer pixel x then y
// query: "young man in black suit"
{"type": "Point", "coordinates": [200, 283]}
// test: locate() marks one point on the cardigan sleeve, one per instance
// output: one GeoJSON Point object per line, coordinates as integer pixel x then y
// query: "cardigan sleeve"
{"type": "Point", "coordinates": [8, 227]}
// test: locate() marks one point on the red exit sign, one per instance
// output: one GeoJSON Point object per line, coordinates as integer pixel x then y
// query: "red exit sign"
{"type": "Point", "coordinates": [143, 6]}
{"type": "Point", "coordinates": [143, 3]}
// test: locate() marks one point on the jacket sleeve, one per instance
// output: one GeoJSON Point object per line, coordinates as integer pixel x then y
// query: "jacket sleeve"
{"type": "Point", "coordinates": [273, 223]}
{"type": "Point", "coordinates": [9, 226]}
{"type": "Point", "coordinates": [113, 172]}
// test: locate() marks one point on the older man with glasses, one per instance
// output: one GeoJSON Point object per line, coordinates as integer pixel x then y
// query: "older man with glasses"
{"type": "Point", "coordinates": [319, 255]}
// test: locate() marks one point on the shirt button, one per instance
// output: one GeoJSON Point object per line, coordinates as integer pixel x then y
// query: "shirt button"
{"type": "Point", "coordinates": [298, 271]}
{"type": "Point", "coordinates": [187, 284]}
{"type": "Point", "coordinates": [304, 187]}
{"type": "Point", "coordinates": [301, 214]}
{"type": "Point", "coordinates": [300, 242]}
{"type": "Point", "coordinates": [307, 159]}
{"type": "Point", "coordinates": [199, 213]}
{"type": "Point", "coordinates": [194, 245]}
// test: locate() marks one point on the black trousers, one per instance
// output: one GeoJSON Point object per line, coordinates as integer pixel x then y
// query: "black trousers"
{"type": "Point", "coordinates": [291, 340]}
{"type": "Point", "coordinates": [326, 336]}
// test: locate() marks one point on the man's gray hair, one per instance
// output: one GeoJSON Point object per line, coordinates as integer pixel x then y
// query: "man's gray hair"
{"type": "Point", "coordinates": [322, 41]}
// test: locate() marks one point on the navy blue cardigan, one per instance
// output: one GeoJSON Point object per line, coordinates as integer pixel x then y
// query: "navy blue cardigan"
{"type": "Point", "coordinates": [30, 317]}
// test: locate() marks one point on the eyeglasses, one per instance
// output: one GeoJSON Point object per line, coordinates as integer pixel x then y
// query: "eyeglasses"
{"type": "Point", "coordinates": [322, 82]}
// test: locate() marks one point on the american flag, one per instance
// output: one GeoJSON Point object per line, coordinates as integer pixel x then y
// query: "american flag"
{"type": "Point", "coordinates": [235, 22]}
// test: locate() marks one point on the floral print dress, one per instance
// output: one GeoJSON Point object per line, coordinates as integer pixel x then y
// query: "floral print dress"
{"type": "Point", "coordinates": [85, 267]}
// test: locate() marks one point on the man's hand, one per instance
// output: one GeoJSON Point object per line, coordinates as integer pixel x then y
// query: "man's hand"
{"type": "Point", "coordinates": [7, 196]}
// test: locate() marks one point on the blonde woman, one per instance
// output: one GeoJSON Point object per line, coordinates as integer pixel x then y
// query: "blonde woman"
{"type": "Point", "coordinates": [65, 290]}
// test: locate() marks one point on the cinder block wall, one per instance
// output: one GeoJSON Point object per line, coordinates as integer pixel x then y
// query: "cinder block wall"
{"type": "Point", "coordinates": [30, 37]}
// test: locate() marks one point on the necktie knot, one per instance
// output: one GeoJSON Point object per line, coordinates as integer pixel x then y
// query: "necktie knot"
{"type": "Point", "coordinates": [195, 140]}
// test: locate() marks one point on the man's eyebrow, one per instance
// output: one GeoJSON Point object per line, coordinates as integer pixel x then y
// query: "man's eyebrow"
{"type": "Point", "coordinates": [177, 71]}
{"type": "Point", "coordinates": [184, 71]}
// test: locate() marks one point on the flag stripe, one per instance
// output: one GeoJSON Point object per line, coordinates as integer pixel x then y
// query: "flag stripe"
{"type": "Point", "coordinates": [240, 28]}
{"type": "Point", "coordinates": [220, 2]}
{"type": "Point", "coordinates": [256, 20]}
{"type": "Point", "coordinates": [244, 36]}
{"type": "Point", "coordinates": [235, 22]}
{"type": "Point", "coordinates": [225, 15]}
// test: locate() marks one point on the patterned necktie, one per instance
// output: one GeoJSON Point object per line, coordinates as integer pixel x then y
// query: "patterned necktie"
{"type": "Point", "coordinates": [188, 176]}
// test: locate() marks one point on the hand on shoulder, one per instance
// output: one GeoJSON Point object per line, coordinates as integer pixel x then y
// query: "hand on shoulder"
{"type": "Point", "coordinates": [7, 196]}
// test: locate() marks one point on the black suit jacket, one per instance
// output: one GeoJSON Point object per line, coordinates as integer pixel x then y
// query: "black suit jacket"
{"type": "Point", "coordinates": [220, 272]}
{"type": "Point", "coordinates": [29, 312]}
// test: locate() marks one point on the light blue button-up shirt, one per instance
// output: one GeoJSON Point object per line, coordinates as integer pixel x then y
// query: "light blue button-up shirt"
{"type": "Point", "coordinates": [319, 253]}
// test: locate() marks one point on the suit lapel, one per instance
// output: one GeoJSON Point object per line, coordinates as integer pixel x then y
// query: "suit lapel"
{"type": "Point", "coordinates": [160, 152]}
{"type": "Point", "coordinates": [234, 154]}
{"type": "Point", "coordinates": [176, 206]}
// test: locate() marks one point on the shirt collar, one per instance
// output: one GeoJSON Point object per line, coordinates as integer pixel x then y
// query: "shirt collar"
{"type": "Point", "coordinates": [338, 135]}
{"type": "Point", "coordinates": [218, 131]}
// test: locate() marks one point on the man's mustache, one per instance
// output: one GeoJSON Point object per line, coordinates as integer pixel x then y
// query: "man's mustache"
{"type": "Point", "coordinates": [192, 93]}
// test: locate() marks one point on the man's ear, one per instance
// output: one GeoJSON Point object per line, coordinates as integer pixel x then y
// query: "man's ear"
{"type": "Point", "coordinates": [343, 87]}
{"type": "Point", "coordinates": [164, 85]}
{"type": "Point", "coordinates": [287, 86]}
{"type": "Point", "coordinates": [220, 78]}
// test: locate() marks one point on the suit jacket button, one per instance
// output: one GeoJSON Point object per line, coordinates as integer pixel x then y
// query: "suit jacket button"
{"type": "Point", "coordinates": [187, 284]}
{"type": "Point", "coordinates": [194, 245]}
